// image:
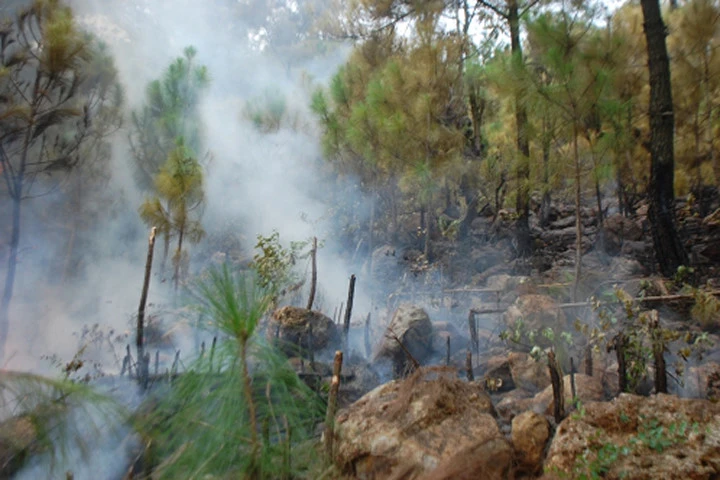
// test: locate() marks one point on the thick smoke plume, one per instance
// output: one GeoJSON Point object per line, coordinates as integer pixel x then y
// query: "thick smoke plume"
{"type": "Point", "coordinates": [255, 182]}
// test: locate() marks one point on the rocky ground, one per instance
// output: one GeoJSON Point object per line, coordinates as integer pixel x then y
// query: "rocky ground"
{"type": "Point", "coordinates": [444, 395]}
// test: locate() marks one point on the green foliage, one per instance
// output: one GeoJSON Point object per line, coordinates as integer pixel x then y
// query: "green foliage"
{"type": "Point", "coordinates": [246, 415]}
{"type": "Point", "coordinates": [270, 112]}
{"type": "Point", "coordinates": [537, 340]}
{"type": "Point", "coordinates": [706, 309]}
{"type": "Point", "coordinates": [48, 416]}
{"type": "Point", "coordinates": [166, 140]}
{"type": "Point", "coordinates": [274, 263]}
{"type": "Point", "coordinates": [170, 113]}
{"type": "Point", "coordinates": [596, 461]}
{"type": "Point", "coordinates": [642, 334]}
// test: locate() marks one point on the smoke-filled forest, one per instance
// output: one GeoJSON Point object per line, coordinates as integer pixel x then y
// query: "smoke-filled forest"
{"type": "Point", "coordinates": [363, 239]}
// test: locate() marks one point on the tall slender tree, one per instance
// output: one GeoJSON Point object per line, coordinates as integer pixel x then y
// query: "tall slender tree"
{"type": "Point", "coordinates": [49, 96]}
{"type": "Point", "coordinates": [669, 250]}
{"type": "Point", "coordinates": [166, 140]}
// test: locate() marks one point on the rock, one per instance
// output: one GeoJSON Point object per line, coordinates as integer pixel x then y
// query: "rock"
{"type": "Point", "coordinates": [442, 331]}
{"type": "Point", "coordinates": [587, 389]}
{"type": "Point", "coordinates": [496, 374]}
{"type": "Point", "coordinates": [20, 438]}
{"type": "Point", "coordinates": [536, 312]}
{"type": "Point", "coordinates": [527, 373]}
{"type": "Point", "coordinates": [623, 267]}
{"type": "Point", "coordinates": [412, 426]}
{"type": "Point", "coordinates": [623, 228]}
{"type": "Point", "coordinates": [635, 437]}
{"type": "Point", "coordinates": [360, 378]}
{"type": "Point", "coordinates": [530, 433]}
{"type": "Point", "coordinates": [291, 327]}
{"type": "Point", "coordinates": [490, 460]}
{"type": "Point", "coordinates": [412, 327]}
{"type": "Point", "coordinates": [699, 382]}
{"type": "Point", "coordinates": [513, 403]}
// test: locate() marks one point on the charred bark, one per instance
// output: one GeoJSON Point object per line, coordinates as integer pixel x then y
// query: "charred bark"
{"type": "Point", "coordinates": [669, 250]}
{"type": "Point", "coordinates": [522, 206]}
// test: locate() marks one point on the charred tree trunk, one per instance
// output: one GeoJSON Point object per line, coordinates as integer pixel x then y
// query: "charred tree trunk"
{"type": "Point", "coordinates": [522, 206]}
{"type": "Point", "coordinates": [669, 250]}
{"type": "Point", "coordinates": [10, 275]}
{"type": "Point", "coordinates": [620, 346]}
{"type": "Point", "coordinates": [348, 311]}
{"type": "Point", "coordinates": [329, 434]}
{"type": "Point", "coordinates": [546, 199]}
{"type": "Point", "coordinates": [313, 278]}
{"type": "Point", "coordinates": [141, 369]}
{"type": "Point", "coordinates": [578, 215]}
{"type": "Point", "coordinates": [558, 387]}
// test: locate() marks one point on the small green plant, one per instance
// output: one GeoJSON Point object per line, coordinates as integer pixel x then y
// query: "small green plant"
{"type": "Point", "coordinates": [657, 437]}
{"type": "Point", "coordinates": [249, 412]}
{"type": "Point", "coordinates": [637, 336]}
{"type": "Point", "coordinates": [596, 461]}
{"type": "Point", "coordinates": [706, 309]}
{"type": "Point", "coordinates": [53, 420]}
{"type": "Point", "coordinates": [274, 264]}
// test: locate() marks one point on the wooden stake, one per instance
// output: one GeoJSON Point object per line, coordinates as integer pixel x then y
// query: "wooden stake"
{"type": "Point", "coordinates": [447, 350]}
{"type": "Point", "coordinates": [348, 310]}
{"type": "Point", "coordinates": [658, 346]}
{"type": "Point", "coordinates": [468, 366]}
{"type": "Point", "coordinates": [368, 347]}
{"type": "Point", "coordinates": [332, 405]}
{"type": "Point", "coordinates": [589, 361]}
{"type": "Point", "coordinates": [142, 369]}
{"type": "Point", "coordinates": [556, 378]}
{"type": "Point", "coordinates": [573, 393]}
{"type": "Point", "coordinates": [619, 346]}
{"type": "Point", "coordinates": [473, 332]}
{"type": "Point", "coordinates": [212, 353]}
{"type": "Point", "coordinates": [313, 278]}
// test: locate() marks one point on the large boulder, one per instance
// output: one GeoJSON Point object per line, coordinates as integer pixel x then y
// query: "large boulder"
{"type": "Point", "coordinates": [636, 438]}
{"type": "Point", "coordinates": [530, 434]}
{"type": "Point", "coordinates": [410, 331]}
{"type": "Point", "coordinates": [491, 460]}
{"type": "Point", "coordinates": [404, 429]}
{"type": "Point", "coordinates": [297, 330]}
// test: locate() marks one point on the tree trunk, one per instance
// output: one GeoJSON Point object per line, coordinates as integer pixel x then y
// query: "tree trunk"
{"type": "Point", "coordinates": [522, 206]}
{"type": "Point", "coordinates": [10, 275]}
{"type": "Point", "coordinates": [546, 199]}
{"type": "Point", "coordinates": [669, 250]}
{"type": "Point", "coordinates": [313, 278]}
{"type": "Point", "coordinates": [578, 216]}
{"type": "Point", "coordinates": [178, 257]}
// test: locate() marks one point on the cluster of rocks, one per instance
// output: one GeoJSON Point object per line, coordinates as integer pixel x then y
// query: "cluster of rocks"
{"type": "Point", "coordinates": [433, 425]}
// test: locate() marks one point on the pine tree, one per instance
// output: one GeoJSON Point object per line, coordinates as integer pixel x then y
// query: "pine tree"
{"type": "Point", "coordinates": [170, 112]}
{"type": "Point", "coordinates": [49, 100]}
{"type": "Point", "coordinates": [176, 208]}
{"type": "Point", "coordinates": [166, 141]}
{"type": "Point", "coordinates": [669, 250]}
